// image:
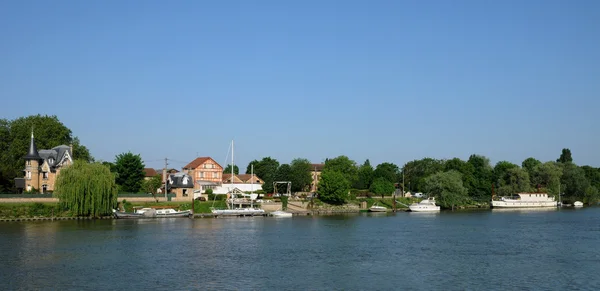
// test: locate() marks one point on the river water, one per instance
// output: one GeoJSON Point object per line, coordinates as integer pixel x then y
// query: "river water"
{"type": "Point", "coordinates": [474, 250]}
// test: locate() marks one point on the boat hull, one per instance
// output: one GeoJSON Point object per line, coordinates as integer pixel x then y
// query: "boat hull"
{"type": "Point", "coordinates": [523, 204]}
{"type": "Point", "coordinates": [424, 209]}
{"type": "Point", "coordinates": [184, 213]}
{"type": "Point", "coordinates": [281, 214]}
{"type": "Point", "coordinates": [238, 211]}
{"type": "Point", "coordinates": [377, 209]}
{"type": "Point", "coordinates": [120, 215]}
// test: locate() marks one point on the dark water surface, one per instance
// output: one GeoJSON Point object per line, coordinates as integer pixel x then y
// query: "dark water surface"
{"type": "Point", "coordinates": [507, 250]}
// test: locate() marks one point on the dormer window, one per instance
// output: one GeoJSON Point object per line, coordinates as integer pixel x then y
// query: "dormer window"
{"type": "Point", "coordinates": [28, 163]}
{"type": "Point", "coordinates": [51, 160]}
{"type": "Point", "coordinates": [45, 175]}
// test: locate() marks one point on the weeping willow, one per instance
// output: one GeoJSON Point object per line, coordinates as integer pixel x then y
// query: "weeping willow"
{"type": "Point", "coordinates": [86, 189]}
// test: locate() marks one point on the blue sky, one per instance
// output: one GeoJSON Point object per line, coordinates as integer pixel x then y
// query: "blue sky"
{"type": "Point", "coordinates": [385, 80]}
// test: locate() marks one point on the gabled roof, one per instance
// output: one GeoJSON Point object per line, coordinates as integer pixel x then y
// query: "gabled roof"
{"type": "Point", "coordinates": [199, 161]}
{"type": "Point", "coordinates": [317, 167]}
{"type": "Point", "coordinates": [242, 177]}
{"type": "Point", "coordinates": [149, 172]}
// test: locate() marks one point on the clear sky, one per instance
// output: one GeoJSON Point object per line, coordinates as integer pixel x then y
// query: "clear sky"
{"type": "Point", "coordinates": [385, 80]}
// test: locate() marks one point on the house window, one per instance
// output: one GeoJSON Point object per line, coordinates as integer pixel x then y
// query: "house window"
{"type": "Point", "coordinates": [215, 175]}
{"type": "Point", "coordinates": [28, 163]}
{"type": "Point", "coordinates": [28, 175]}
{"type": "Point", "coordinates": [185, 193]}
{"type": "Point", "coordinates": [51, 160]}
{"type": "Point", "coordinates": [45, 175]}
{"type": "Point", "coordinates": [44, 188]}
{"type": "Point", "coordinates": [201, 174]}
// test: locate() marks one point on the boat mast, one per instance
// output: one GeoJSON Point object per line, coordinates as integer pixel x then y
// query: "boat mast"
{"type": "Point", "coordinates": [251, 185]}
{"type": "Point", "coordinates": [232, 173]}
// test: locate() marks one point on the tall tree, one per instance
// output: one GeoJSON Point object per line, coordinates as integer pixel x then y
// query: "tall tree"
{"type": "Point", "coordinates": [343, 165]}
{"type": "Point", "coordinates": [591, 195]}
{"type": "Point", "coordinates": [575, 181]}
{"type": "Point", "coordinates": [389, 171]}
{"type": "Point", "coordinates": [467, 172]}
{"type": "Point", "coordinates": [416, 171]}
{"type": "Point", "coordinates": [547, 176]}
{"type": "Point", "coordinates": [365, 176]}
{"type": "Point", "coordinates": [151, 185]}
{"type": "Point", "coordinates": [227, 170]}
{"type": "Point", "coordinates": [87, 189]}
{"type": "Point", "coordinates": [300, 175]}
{"type": "Point", "coordinates": [514, 180]}
{"type": "Point", "coordinates": [593, 175]}
{"type": "Point", "coordinates": [565, 156]}
{"type": "Point", "coordinates": [266, 169]}
{"type": "Point", "coordinates": [283, 174]}
{"type": "Point", "coordinates": [14, 142]}
{"type": "Point", "coordinates": [333, 187]}
{"type": "Point", "coordinates": [530, 165]}
{"type": "Point", "coordinates": [130, 172]}
{"type": "Point", "coordinates": [381, 186]}
{"type": "Point", "coordinates": [483, 172]}
{"type": "Point", "coordinates": [447, 187]}
{"type": "Point", "coordinates": [249, 167]}
{"type": "Point", "coordinates": [500, 170]}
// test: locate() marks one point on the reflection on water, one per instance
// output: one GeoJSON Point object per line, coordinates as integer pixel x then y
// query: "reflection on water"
{"type": "Point", "coordinates": [366, 251]}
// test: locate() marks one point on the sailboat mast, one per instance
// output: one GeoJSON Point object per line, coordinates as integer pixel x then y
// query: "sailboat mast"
{"type": "Point", "coordinates": [232, 173]}
{"type": "Point", "coordinates": [251, 185]}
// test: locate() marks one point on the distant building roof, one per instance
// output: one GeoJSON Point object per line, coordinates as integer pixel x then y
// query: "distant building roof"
{"type": "Point", "coordinates": [317, 167]}
{"type": "Point", "coordinates": [150, 172]}
{"type": "Point", "coordinates": [199, 161]}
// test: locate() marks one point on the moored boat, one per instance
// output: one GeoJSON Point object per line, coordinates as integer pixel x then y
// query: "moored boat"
{"type": "Point", "coordinates": [119, 214]}
{"type": "Point", "coordinates": [280, 213]}
{"type": "Point", "coordinates": [578, 204]}
{"type": "Point", "coordinates": [525, 200]}
{"type": "Point", "coordinates": [162, 212]}
{"type": "Point", "coordinates": [425, 205]}
{"type": "Point", "coordinates": [377, 208]}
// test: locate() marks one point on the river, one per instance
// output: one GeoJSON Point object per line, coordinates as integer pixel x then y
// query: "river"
{"type": "Point", "coordinates": [470, 250]}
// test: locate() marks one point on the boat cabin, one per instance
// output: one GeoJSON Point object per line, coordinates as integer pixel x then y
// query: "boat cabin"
{"type": "Point", "coordinates": [533, 196]}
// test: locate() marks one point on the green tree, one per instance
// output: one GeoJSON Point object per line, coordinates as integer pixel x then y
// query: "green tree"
{"type": "Point", "coordinates": [14, 142]}
{"type": "Point", "coordinates": [249, 167]}
{"type": "Point", "coordinates": [333, 187]}
{"type": "Point", "coordinates": [265, 169]}
{"type": "Point", "coordinates": [467, 172]}
{"type": "Point", "coordinates": [500, 170]}
{"type": "Point", "coordinates": [111, 166]}
{"type": "Point", "coordinates": [482, 173]}
{"type": "Point", "coordinates": [381, 186]}
{"type": "Point", "coordinates": [300, 175]}
{"type": "Point", "coordinates": [130, 172]}
{"type": "Point", "coordinates": [575, 181]}
{"type": "Point", "coordinates": [389, 171]}
{"type": "Point", "coordinates": [416, 171]}
{"type": "Point", "coordinates": [227, 170]}
{"type": "Point", "coordinates": [86, 189]}
{"type": "Point", "coordinates": [283, 174]}
{"type": "Point", "coordinates": [365, 176]}
{"type": "Point", "coordinates": [448, 189]}
{"type": "Point", "coordinates": [591, 195]}
{"type": "Point", "coordinates": [514, 180]}
{"type": "Point", "coordinates": [343, 165]}
{"type": "Point", "coordinates": [530, 165]}
{"type": "Point", "coordinates": [547, 176]}
{"type": "Point", "coordinates": [152, 184]}
{"type": "Point", "coordinates": [593, 175]}
{"type": "Point", "coordinates": [565, 156]}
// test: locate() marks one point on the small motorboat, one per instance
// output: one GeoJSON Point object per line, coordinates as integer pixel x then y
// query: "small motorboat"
{"type": "Point", "coordinates": [280, 213]}
{"type": "Point", "coordinates": [162, 212]}
{"type": "Point", "coordinates": [426, 205]}
{"type": "Point", "coordinates": [377, 208]}
{"type": "Point", "coordinates": [119, 214]}
{"type": "Point", "coordinates": [578, 204]}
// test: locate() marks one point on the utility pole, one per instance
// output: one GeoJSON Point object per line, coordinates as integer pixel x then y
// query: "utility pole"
{"type": "Point", "coordinates": [165, 177]}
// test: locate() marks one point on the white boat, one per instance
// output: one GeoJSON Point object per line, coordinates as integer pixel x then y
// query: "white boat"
{"type": "Point", "coordinates": [280, 213]}
{"type": "Point", "coordinates": [238, 211]}
{"type": "Point", "coordinates": [377, 208]}
{"type": "Point", "coordinates": [162, 212]}
{"type": "Point", "coordinates": [578, 204]}
{"type": "Point", "coordinates": [525, 200]}
{"type": "Point", "coordinates": [426, 205]}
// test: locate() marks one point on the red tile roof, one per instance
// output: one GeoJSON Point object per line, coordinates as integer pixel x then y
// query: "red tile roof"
{"type": "Point", "coordinates": [199, 161]}
{"type": "Point", "coordinates": [149, 172]}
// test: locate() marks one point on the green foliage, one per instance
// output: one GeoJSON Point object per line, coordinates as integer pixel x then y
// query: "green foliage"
{"type": "Point", "coordinates": [333, 187]}
{"type": "Point", "coordinates": [344, 166]}
{"type": "Point", "coordinates": [365, 176]}
{"type": "Point", "coordinates": [300, 175]}
{"type": "Point", "coordinates": [388, 171]}
{"type": "Point", "coordinates": [448, 189]}
{"type": "Point", "coordinates": [282, 175]}
{"type": "Point", "coordinates": [208, 191]}
{"type": "Point", "coordinates": [227, 170]}
{"type": "Point", "coordinates": [593, 175]}
{"type": "Point", "coordinates": [217, 197]}
{"type": "Point", "coordinates": [381, 186]}
{"type": "Point", "coordinates": [574, 179]}
{"type": "Point", "coordinates": [482, 178]}
{"type": "Point", "coordinates": [530, 165]}
{"type": "Point", "coordinates": [591, 195]}
{"type": "Point", "coordinates": [266, 170]}
{"type": "Point", "coordinates": [565, 156]}
{"type": "Point", "coordinates": [152, 184]}
{"type": "Point", "coordinates": [467, 172]}
{"type": "Point", "coordinates": [86, 189]}
{"type": "Point", "coordinates": [547, 176]}
{"type": "Point", "coordinates": [15, 136]}
{"type": "Point", "coordinates": [514, 180]}
{"type": "Point", "coordinates": [284, 202]}
{"type": "Point", "coordinates": [416, 171]}
{"type": "Point", "coordinates": [500, 170]}
{"type": "Point", "coordinates": [130, 171]}
{"type": "Point", "coordinates": [27, 210]}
